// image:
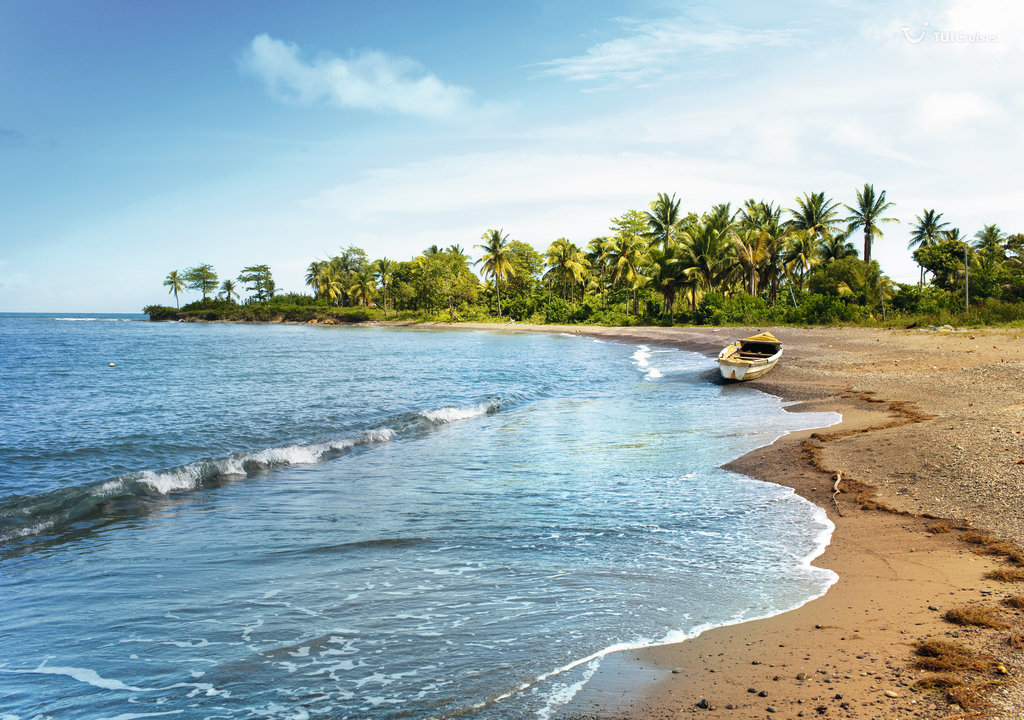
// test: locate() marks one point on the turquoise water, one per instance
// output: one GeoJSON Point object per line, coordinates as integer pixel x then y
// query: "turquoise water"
{"type": "Point", "coordinates": [300, 522]}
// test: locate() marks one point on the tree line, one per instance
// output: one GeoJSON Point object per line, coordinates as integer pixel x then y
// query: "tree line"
{"type": "Point", "coordinates": [759, 260]}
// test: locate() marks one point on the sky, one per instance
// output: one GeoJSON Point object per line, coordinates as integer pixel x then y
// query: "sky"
{"type": "Point", "coordinates": [138, 138]}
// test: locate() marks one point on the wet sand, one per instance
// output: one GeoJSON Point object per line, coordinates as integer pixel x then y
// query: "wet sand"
{"type": "Point", "coordinates": [932, 428]}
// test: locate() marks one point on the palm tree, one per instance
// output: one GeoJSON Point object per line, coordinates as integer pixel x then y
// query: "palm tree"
{"type": "Point", "coordinates": [384, 268]}
{"type": "Point", "coordinates": [757, 241]}
{"type": "Point", "coordinates": [566, 262]}
{"type": "Point", "coordinates": [315, 275]}
{"type": "Point", "coordinates": [363, 287]}
{"type": "Point", "coordinates": [708, 249]}
{"type": "Point", "coordinates": [753, 249]}
{"type": "Point", "coordinates": [497, 259]}
{"type": "Point", "coordinates": [670, 272]}
{"type": "Point", "coordinates": [867, 215]}
{"type": "Point", "coordinates": [802, 252]}
{"type": "Point", "coordinates": [990, 240]}
{"type": "Point", "coordinates": [836, 247]}
{"type": "Point", "coordinates": [927, 231]}
{"type": "Point", "coordinates": [176, 283]}
{"type": "Point", "coordinates": [331, 287]}
{"type": "Point", "coordinates": [664, 220]}
{"type": "Point", "coordinates": [816, 214]}
{"type": "Point", "coordinates": [227, 289]}
{"type": "Point", "coordinates": [624, 254]}
{"type": "Point", "coordinates": [597, 260]}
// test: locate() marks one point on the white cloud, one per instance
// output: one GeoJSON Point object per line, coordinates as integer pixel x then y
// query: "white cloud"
{"type": "Point", "coordinates": [941, 112]}
{"type": "Point", "coordinates": [656, 50]}
{"type": "Point", "coordinates": [371, 80]}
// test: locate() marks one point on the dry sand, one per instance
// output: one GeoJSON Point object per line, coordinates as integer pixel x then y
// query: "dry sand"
{"type": "Point", "coordinates": [932, 428]}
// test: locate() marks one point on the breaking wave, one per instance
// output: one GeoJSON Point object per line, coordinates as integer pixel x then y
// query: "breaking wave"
{"type": "Point", "coordinates": [50, 514]}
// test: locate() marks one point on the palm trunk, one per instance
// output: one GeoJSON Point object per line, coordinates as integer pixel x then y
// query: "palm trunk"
{"type": "Point", "coordinates": [497, 288]}
{"type": "Point", "coordinates": [867, 243]}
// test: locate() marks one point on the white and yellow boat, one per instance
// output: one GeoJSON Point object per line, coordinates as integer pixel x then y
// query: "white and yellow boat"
{"type": "Point", "coordinates": [750, 357]}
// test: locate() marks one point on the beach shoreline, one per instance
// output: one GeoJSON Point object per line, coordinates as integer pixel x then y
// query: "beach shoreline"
{"type": "Point", "coordinates": [931, 435]}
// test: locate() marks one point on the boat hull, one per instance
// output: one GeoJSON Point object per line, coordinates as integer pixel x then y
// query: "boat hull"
{"type": "Point", "coordinates": [744, 370]}
{"type": "Point", "coordinates": [734, 367]}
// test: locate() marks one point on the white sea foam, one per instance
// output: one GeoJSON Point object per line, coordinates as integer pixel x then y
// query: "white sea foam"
{"type": "Point", "coordinates": [642, 359]}
{"type": "Point", "coordinates": [83, 675]}
{"type": "Point", "coordinates": [453, 414]}
{"type": "Point", "coordinates": [91, 319]}
{"type": "Point", "coordinates": [642, 356]}
{"type": "Point", "coordinates": [378, 435]}
{"type": "Point", "coordinates": [167, 481]}
{"type": "Point", "coordinates": [286, 455]}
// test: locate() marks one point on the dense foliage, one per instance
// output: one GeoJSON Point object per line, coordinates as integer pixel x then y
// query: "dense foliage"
{"type": "Point", "coordinates": [757, 264]}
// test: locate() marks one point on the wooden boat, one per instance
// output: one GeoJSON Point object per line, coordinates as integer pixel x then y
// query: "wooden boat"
{"type": "Point", "coordinates": [750, 357]}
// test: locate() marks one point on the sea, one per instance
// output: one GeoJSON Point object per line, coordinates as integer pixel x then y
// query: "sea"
{"type": "Point", "coordinates": [284, 521]}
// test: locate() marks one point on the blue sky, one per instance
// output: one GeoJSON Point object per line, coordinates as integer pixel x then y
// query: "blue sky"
{"type": "Point", "coordinates": [141, 137]}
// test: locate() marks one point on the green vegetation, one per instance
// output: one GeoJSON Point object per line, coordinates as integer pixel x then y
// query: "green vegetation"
{"type": "Point", "coordinates": [759, 264]}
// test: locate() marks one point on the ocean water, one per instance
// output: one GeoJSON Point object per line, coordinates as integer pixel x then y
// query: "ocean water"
{"type": "Point", "coordinates": [301, 522]}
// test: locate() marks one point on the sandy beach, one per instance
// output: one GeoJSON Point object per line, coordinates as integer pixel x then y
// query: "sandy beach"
{"type": "Point", "coordinates": [930, 450]}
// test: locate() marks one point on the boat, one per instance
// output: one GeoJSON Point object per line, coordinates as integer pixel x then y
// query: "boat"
{"type": "Point", "coordinates": [750, 357]}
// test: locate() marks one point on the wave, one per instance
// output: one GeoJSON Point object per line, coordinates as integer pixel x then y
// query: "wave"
{"type": "Point", "coordinates": [91, 319]}
{"type": "Point", "coordinates": [22, 517]}
{"type": "Point", "coordinates": [446, 415]}
{"type": "Point", "coordinates": [49, 514]}
{"type": "Point", "coordinates": [642, 359]}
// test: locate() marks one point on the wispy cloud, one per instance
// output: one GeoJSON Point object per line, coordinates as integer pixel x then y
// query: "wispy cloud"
{"type": "Point", "coordinates": [371, 80]}
{"type": "Point", "coordinates": [654, 50]}
{"type": "Point", "coordinates": [8, 135]}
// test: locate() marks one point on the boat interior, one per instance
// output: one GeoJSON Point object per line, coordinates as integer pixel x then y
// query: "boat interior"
{"type": "Point", "coordinates": [757, 350]}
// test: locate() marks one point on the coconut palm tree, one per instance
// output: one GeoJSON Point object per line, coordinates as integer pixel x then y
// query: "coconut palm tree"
{"type": "Point", "coordinates": [927, 231]}
{"type": "Point", "coordinates": [816, 214]}
{"type": "Point", "coordinates": [624, 254]}
{"type": "Point", "coordinates": [363, 287]}
{"type": "Point", "coordinates": [315, 275]}
{"type": "Point", "coordinates": [384, 269]}
{"type": "Point", "coordinates": [331, 286]}
{"type": "Point", "coordinates": [497, 259]}
{"type": "Point", "coordinates": [598, 264]}
{"type": "Point", "coordinates": [566, 263]}
{"type": "Point", "coordinates": [227, 289]}
{"type": "Point", "coordinates": [708, 250]}
{"type": "Point", "coordinates": [757, 238]}
{"type": "Point", "coordinates": [176, 283]}
{"type": "Point", "coordinates": [802, 252]}
{"type": "Point", "coordinates": [990, 240]}
{"type": "Point", "coordinates": [670, 272]}
{"type": "Point", "coordinates": [867, 215]}
{"type": "Point", "coordinates": [664, 219]}
{"type": "Point", "coordinates": [836, 247]}
{"type": "Point", "coordinates": [753, 249]}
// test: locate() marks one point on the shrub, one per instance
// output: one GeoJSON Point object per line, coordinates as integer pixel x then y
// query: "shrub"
{"type": "Point", "coordinates": [556, 312]}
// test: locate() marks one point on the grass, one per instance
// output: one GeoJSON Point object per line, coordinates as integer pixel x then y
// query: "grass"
{"type": "Point", "coordinates": [978, 537]}
{"type": "Point", "coordinates": [1006, 575]}
{"type": "Point", "coordinates": [989, 544]}
{"type": "Point", "coordinates": [974, 615]}
{"type": "Point", "coordinates": [970, 695]}
{"type": "Point", "coordinates": [938, 681]}
{"type": "Point", "coordinates": [1014, 601]}
{"type": "Point", "coordinates": [943, 656]}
